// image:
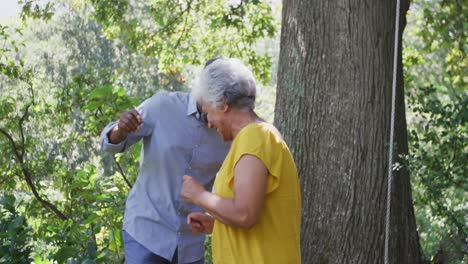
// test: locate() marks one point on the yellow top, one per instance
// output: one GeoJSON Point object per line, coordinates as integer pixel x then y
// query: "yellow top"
{"type": "Point", "coordinates": [276, 237]}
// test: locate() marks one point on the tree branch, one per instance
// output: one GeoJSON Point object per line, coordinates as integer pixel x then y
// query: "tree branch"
{"type": "Point", "coordinates": [2, 181]}
{"type": "Point", "coordinates": [20, 125]}
{"type": "Point", "coordinates": [238, 6]}
{"type": "Point", "coordinates": [12, 142]}
{"type": "Point", "coordinates": [189, 5]}
{"type": "Point", "coordinates": [28, 177]}
{"type": "Point", "coordinates": [123, 174]}
{"type": "Point", "coordinates": [44, 202]}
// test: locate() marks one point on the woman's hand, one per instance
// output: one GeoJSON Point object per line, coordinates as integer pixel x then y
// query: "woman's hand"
{"type": "Point", "coordinates": [200, 223]}
{"type": "Point", "coordinates": [191, 189]}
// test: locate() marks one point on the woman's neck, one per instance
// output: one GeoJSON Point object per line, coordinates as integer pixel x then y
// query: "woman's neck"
{"type": "Point", "coordinates": [241, 119]}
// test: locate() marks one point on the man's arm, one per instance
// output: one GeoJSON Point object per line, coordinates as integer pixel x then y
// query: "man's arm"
{"type": "Point", "coordinates": [115, 137]}
{"type": "Point", "coordinates": [129, 121]}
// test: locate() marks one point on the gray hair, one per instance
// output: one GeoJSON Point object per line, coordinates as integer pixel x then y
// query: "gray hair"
{"type": "Point", "coordinates": [226, 81]}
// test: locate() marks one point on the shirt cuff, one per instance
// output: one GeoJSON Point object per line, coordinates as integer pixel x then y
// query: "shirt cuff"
{"type": "Point", "coordinates": [108, 146]}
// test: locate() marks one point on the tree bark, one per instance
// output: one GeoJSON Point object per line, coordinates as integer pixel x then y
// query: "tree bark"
{"type": "Point", "coordinates": [333, 107]}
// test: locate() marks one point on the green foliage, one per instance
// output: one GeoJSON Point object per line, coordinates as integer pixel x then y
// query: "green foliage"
{"type": "Point", "coordinates": [14, 232]}
{"type": "Point", "coordinates": [446, 32]}
{"type": "Point", "coordinates": [33, 9]}
{"type": "Point", "coordinates": [436, 69]}
{"type": "Point", "coordinates": [62, 81]}
{"type": "Point", "coordinates": [208, 252]}
{"type": "Point", "coordinates": [50, 119]}
{"type": "Point", "coordinates": [438, 163]}
{"type": "Point", "coordinates": [190, 32]}
{"type": "Point", "coordinates": [12, 67]}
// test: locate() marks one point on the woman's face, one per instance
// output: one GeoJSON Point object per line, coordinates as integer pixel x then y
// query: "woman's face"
{"type": "Point", "coordinates": [217, 119]}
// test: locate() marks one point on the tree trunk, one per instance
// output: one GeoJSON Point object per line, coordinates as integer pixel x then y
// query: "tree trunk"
{"type": "Point", "coordinates": [333, 107]}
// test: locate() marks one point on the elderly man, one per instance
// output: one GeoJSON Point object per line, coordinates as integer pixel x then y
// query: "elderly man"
{"type": "Point", "coordinates": [176, 141]}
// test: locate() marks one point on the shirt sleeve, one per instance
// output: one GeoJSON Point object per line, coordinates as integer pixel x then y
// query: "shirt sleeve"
{"type": "Point", "coordinates": [148, 111]}
{"type": "Point", "coordinates": [262, 144]}
{"type": "Point", "coordinates": [106, 145]}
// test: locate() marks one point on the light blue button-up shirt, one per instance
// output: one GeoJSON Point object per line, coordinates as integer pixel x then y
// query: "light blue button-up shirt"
{"type": "Point", "coordinates": [175, 143]}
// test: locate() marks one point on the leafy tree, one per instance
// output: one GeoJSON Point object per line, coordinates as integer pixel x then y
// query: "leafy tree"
{"type": "Point", "coordinates": [62, 81]}
{"type": "Point", "coordinates": [14, 232]}
{"type": "Point", "coordinates": [71, 210]}
{"type": "Point", "coordinates": [436, 65]}
{"type": "Point", "coordinates": [190, 32]}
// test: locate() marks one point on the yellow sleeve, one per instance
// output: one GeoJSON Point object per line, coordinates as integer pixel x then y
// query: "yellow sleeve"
{"type": "Point", "coordinates": [262, 143]}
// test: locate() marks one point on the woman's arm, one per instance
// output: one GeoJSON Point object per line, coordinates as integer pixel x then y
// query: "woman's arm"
{"type": "Point", "coordinates": [244, 210]}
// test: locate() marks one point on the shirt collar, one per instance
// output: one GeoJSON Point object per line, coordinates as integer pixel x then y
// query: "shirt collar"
{"type": "Point", "coordinates": [192, 105]}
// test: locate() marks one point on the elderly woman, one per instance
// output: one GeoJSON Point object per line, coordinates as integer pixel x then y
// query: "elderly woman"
{"type": "Point", "coordinates": [254, 209]}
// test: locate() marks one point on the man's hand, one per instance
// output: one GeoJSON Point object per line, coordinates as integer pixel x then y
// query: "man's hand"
{"type": "Point", "coordinates": [200, 223]}
{"type": "Point", "coordinates": [129, 121]}
{"type": "Point", "coordinates": [191, 189]}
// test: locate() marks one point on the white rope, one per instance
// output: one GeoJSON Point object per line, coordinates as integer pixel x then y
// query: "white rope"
{"type": "Point", "coordinates": [392, 128]}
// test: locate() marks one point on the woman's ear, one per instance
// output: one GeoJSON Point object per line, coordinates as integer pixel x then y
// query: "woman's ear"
{"type": "Point", "coordinates": [225, 108]}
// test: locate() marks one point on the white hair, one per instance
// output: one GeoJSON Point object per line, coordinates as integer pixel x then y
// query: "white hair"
{"type": "Point", "coordinates": [226, 81]}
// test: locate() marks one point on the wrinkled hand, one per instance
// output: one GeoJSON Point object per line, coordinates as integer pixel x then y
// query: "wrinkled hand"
{"type": "Point", "coordinates": [129, 121]}
{"type": "Point", "coordinates": [191, 189]}
{"type": "Point", "coordinates": [200, 223]}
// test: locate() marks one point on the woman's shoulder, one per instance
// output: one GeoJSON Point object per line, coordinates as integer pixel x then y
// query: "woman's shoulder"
{"type": "Point", "coordinates": [259, 133]}
{"type": "Point", "coordinates": [262, 129]}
